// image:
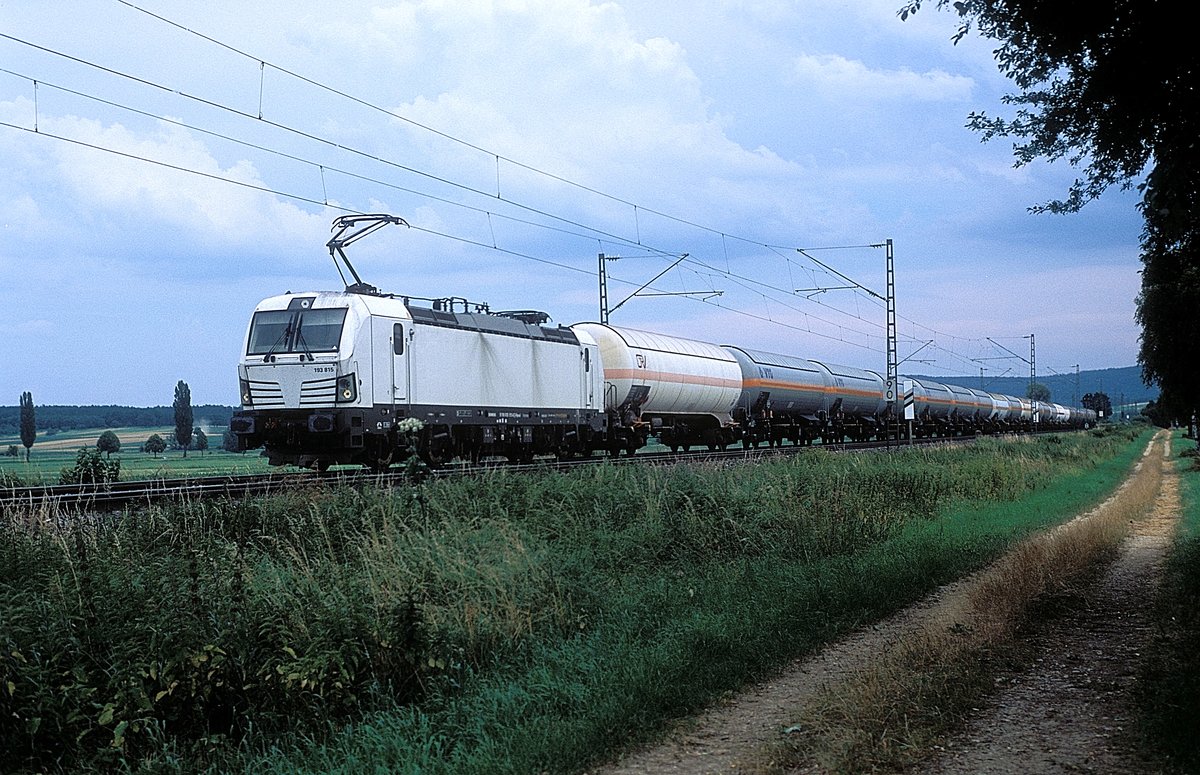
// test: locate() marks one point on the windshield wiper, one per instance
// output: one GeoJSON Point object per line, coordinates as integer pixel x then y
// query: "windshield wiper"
{"type": "Point", "coordinates": [300, 341]}
{"type": "Point", "coordinates": [286, 336]}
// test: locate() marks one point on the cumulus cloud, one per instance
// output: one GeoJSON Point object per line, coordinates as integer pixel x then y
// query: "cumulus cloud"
{"type": "Point", "coordinates": [166, 173]}
{"type": "Point", "coordinates": [854, 80]}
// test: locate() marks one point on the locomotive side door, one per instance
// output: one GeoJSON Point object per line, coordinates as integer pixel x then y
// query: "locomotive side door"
{"type": "Point", "coordinates": [587, 387]}
{"type": "Point", "coordinates": [389, 351]}
{"type": "Point", "coordinates": [400, 347]}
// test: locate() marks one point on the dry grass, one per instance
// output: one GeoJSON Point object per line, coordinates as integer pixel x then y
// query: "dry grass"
{"type": "Point", "coordinates": [884, 716]}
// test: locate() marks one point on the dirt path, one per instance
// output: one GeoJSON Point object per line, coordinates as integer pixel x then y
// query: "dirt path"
{"type": "Point", "coordinates": [1067, 714]}
{"type": "Point", "coordinates": [1071, 712]}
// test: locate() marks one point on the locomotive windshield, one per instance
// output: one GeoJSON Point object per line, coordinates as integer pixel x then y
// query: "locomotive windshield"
{"type": "Point", "coordinates": [296, 331]}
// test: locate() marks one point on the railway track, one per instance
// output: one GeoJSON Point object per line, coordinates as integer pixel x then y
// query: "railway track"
{"type": "Point", "coordinates": [108, 496]}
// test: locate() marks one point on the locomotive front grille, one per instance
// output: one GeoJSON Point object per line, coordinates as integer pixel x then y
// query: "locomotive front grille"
{"type": "Point", "coordinates": [318, 391]}
{"type": "Point", "coordinates": [266, 395]}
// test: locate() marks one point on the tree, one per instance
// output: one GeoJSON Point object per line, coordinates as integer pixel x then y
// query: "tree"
{"type": "Point", "coordinates": [108, 443]}
{"type": "Point", "coordinates": [154, 445]}
{"type": "Point", "coordinates": [1111, 86]}
{"type": "Point", "coordinates": [200, 439]}
{"type": "Point", "coordinates": [28, 423]}
{"type": "Point", "coordinates": [1037, 392]}
{"type": "Point", "coordinates": [1166, 311]}
{"type": "Point", "coordinates": [1153, 412]}
{"type": "Point", "coordinates": [1098, 402]}
{"type": "Point", "coordinates": [183, 415]}
{"type": "Point", "coordinates": [229, 441]}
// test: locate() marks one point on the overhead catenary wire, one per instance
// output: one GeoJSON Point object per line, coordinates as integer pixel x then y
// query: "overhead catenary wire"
{"type": "Point", "coordinates": [324, 201]}
{"type": "Point", "coordinates": [263, 65]}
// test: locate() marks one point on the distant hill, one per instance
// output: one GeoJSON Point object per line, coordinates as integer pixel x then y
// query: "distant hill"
{"type": "Point", "coordinates": [1116, 383]}
{"type": "Point", "coordinates": [63, 418]}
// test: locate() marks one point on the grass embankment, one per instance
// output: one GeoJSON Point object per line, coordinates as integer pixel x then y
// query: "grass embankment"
{"type": "Point", "coordinates": [889, 714]}
{"type": "Point", "coordinates": [1170, 676]}
{"type": "Point", "coordinates": [514, 623]}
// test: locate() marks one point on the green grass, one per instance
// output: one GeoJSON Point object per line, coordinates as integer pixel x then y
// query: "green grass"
{"type": "Point", "coordinates": [1170, 673]}
{"type": "Point", "coordinates": [668, 640]}
{"type": "Point", "coordinates": [511, 623]}
{"type": "Point", "coordinates": [54, 452]}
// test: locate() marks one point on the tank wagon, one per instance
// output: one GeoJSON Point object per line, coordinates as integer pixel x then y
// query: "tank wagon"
{"type": "Point", "coordinates": [363, 377]}
{"type": "Point", "coordinates": [681, 391]}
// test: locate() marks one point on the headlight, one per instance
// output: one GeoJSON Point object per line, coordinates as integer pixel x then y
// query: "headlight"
{"type": "Point", "coordinates": [347, 389]}
{"type": "Point", "coordinates": [247, 398]}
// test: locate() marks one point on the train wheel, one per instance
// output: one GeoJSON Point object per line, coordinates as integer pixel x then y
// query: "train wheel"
{"type": "Point", "coordinates": [380, 465]}
{"type": "Point", "coordinates": [437, 455]}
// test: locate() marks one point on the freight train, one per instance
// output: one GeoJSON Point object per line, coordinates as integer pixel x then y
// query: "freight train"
{"type": "Point", "coordinates": [364, 377]}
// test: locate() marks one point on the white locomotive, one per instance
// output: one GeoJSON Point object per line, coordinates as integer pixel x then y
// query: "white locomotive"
{"type": "Point", "coordinates": [362, 377]}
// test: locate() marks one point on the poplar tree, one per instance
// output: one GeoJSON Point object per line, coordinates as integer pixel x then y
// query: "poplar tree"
{"type": "Point", "coordinates": [183, 415]}
{"type": "Point", "coordinates": [28, 423]}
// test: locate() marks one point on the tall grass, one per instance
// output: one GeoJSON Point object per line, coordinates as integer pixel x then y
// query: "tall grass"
{"type": "Point", "coordinates": [509, 623]}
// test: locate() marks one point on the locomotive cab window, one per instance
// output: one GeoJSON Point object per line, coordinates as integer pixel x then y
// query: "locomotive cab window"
{"type": "Point", "coordinates": [296, 331]}
{"type": "Point", "coordinates": [398, 339]}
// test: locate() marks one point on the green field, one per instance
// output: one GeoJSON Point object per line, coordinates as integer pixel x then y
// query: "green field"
{"type": "Point", "coordinates": [505, 623]}
{"type": "Point", "coordinates": [52, 452]}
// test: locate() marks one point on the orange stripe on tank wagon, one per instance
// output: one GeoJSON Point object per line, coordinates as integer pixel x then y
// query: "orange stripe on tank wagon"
{"type": "Point", "coordinates": [667, 376]}
{"type": "Point", "coordinates": [834, 391]}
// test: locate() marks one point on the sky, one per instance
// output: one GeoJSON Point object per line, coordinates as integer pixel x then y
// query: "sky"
{"type": "Point", "coordinates": [165, 165]}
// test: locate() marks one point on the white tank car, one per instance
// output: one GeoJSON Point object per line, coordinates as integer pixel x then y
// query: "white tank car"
{"type": "Point", "coordinates": [784, 385]}
{"type": "Point", "coordinates": [854, 392]}
{"type": "Point", "coordinates": [964, 403]}
{"type": "Point", "coordinates": [986, 406]}
{"type": "Point", "coordinates": [785, 397]}
{"type": "Point", "coordinates": [680, 390]}
{"type": "Point", "coordinates": [933, 401]}
{"type": "Point", "coordinates": [1008, 409]}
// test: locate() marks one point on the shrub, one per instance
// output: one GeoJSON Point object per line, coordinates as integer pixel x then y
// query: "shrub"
{"type": "Point", "coordinates": [91, 468]}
